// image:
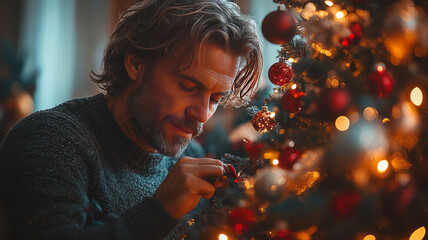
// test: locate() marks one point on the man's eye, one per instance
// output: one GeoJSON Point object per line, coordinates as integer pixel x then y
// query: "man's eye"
{"type": "Point", "coordinates": [187, 87]}
{"type": "Point", "coordinates": [215, 101]}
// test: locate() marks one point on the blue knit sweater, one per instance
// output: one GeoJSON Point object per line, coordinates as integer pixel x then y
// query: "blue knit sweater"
{"type": "Point", "coordinates": [56, 162]}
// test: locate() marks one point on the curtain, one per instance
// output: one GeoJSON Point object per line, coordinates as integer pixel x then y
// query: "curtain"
{"type": "Point", "coordinates": [62, 40]}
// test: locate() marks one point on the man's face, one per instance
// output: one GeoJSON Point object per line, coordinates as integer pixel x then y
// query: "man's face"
{"type": "Point", "coordinates": [169, 105]}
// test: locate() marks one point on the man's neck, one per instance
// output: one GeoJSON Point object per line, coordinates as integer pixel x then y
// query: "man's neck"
{"type": "Point", "coordinates": [118, 107]}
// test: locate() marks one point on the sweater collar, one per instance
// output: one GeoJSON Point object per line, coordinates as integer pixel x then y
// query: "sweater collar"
{"type": "Point", "coordinates": [111, 133]}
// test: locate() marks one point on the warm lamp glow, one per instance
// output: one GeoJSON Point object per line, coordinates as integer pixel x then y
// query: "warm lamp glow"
{"type": "Point", "coordinates": [382, 166]}
{"type": "Point", "coordinates": [342, 123]}
{"type": "Point", "coordinates": [328, 3]}
{"type": "Point", "coordinates": [419, 234]}
{"type": "Point", "coordinates": [222, 237]}
{"type": "Point", "coordinates": [275, 162]}
{"type": "Point", "coordinates": [369, 237]}
{"type": "Point", "coordinates": [416, 96]}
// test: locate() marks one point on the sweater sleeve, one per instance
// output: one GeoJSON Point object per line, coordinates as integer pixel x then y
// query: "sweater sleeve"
{"type": "Point", "coordinates": [44, 177]}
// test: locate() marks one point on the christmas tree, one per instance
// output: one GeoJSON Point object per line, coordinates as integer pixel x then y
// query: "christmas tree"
{"type": "Point", "coordinates": [343, 151]}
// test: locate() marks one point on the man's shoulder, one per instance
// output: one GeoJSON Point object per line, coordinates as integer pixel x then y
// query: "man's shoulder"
{"type": "Point", "coordinates": [67, 120]}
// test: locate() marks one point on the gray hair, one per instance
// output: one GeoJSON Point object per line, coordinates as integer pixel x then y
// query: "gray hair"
{"type": "Point", "coordinates": [154, 28]}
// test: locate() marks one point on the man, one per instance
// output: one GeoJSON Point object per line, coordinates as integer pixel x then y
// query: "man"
{"type": "Point", "coordinates": [167, 67]}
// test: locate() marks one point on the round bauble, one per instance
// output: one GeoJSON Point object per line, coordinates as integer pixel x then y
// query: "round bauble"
{"type": "Point", "coordinates": [287, 157]}
{"type": "Point", "coordinates": [291, 100]}
{"type": "Point", "coordinates": [381, 83]}
{"type": "Point", "coordinates": [241, 219]}
{"type": "Point", "coordinates": [280, 73]}
{"type": "Point", "coordinates": [333, 102]}
{"type": "Point", "coordinates": [279, 27]}
{"type": "Point", "coordinates": [270, 184]}
{"type": "Point", "coordinates": [264, 120]}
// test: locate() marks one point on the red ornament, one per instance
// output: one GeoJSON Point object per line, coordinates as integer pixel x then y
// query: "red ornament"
{"type": "Point", "coordinates": [253, 150]}
{"type": "Point", "coordinates": [291, 100]}
{"type": "Point", "coordinates": [381, 83]}
{"type": "Point", "coordinates": [279, 27]}
{"type": "Point", "coordinates": [333, 102]}
{"type": "Point", "coordinates": [280, 73]}
{"type": "Point", "coordinates": [242, 219]}
{"type": "Point", "coordinates": [263, 121]}
{"type": "Point", "coordinates": [345, 203]}
{"type": "Point", "coordinates": [288, 157]}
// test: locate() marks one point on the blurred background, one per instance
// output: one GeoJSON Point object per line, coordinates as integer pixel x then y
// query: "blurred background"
{"type": "Point", "coordinates": [48, 47]}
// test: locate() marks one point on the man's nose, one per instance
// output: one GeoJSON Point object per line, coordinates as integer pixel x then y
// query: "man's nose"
{"type": "Point", "coordinates": [200, 110]}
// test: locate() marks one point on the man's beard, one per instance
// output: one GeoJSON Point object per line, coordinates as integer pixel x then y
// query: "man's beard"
{"type": "Point", "coordinates": [149, 128]}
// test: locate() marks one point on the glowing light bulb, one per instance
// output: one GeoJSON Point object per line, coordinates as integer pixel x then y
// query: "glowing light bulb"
{"type": "Point", "coordinates": [294, 86]}
{"type": "Point", "coordinates": [272, 114]}
{"type": "Point", "coordinates": [382, 166]}
{"type": "Point", "coordinates": [340, 15]}
{"type": "Point", "coordinates": [222, 237]}
{"type": "Point", "coordinates": [328, 3]}
{"type": "Point", "coordinates": [275, 162]}
{"type": "Point", "coordinates": [419, 234]}
{"type": "Point", "coordinates": [369, 237]}
{"type": "Point", "coordinates": [342, 123]}
{"type": "Point", "coordinates": [416, 96]}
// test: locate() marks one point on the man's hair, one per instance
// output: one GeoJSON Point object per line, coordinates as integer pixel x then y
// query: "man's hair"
{"type": "Point", "coordinates": [153, 28]}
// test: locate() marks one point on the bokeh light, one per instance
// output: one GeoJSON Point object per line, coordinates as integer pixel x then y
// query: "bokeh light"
{"type": "Point", "coordinates": [340, 14]}
{"type": "Point", "coordinates": [416, 96]}
{"type": "Point", "coordinates": [328, 3]}
{"type": "Point", "coordinates": [370, 113]}
{"type": "Point", "coordinates": [222, 237]}
{"type": "Point", "coordinates": [382, 166]}
{"type": "Point", "coordinates": [419, 234]}
{"type": "Point", "coordinates": [369, 237]}
{"type": "Point", "coordinates": [342, 123]}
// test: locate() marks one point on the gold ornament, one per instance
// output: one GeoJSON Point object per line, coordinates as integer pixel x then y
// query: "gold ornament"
{"type": "Point", "coordinates": [264, 121]}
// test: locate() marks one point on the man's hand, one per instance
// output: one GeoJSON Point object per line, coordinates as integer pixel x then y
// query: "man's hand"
{"type": "Point", "coordinates": [187, 182]}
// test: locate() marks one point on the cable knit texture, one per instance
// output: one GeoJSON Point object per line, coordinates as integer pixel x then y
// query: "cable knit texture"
{"type": "Point", "coordinates": [55, 162]}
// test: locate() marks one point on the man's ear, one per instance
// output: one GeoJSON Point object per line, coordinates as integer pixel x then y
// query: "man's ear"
{"type": "Point", "coordinates": [134, 65]}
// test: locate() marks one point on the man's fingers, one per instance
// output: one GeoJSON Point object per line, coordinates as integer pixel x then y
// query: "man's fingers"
{"type": "Point", "coordinates": [203, 188]}
{"type": "Point", "coordinates": [201, 161]}
{"type": "Point", "coordinates": [208, 171]}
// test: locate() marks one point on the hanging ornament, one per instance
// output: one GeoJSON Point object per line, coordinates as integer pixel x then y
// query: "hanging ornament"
{"type": "Point", "coordinates": [264, 120]}
{"type": "Point", "coordinates": [270, 182]}
{"type": "Point", "coordinates": [381, 82]}
{"type": "Point", "coordinates": [253, 149]}
{"type": "Point", "coordinates": [279, 27]}
{"type": "Point", "coordinates": [333, 102]}
{"type": "Point", "coordinates": [280, 73]}
{"type": "Point", "coordinates": [291, 100]}
{"type": "Point", "coordinates": [287, 157]}
{"type": "Point", "coordinates": [242, 219]}
{"type": "Point", "coordinates": [345, 202]}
